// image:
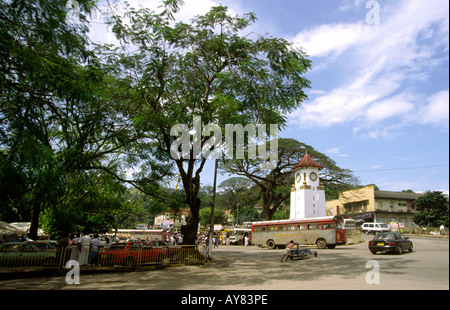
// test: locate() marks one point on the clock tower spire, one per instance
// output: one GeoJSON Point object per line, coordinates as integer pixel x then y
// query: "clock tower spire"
{"type": "Point", "coordinates": [307, 194]}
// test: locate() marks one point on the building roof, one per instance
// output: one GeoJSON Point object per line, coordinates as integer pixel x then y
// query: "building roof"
{"type": "Point", "coordinates": [397, 195]}
{"type": "Point", "coordinates": [307, 161]}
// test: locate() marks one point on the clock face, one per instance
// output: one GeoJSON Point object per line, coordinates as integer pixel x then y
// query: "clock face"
{"type": "Point", "coordinates": [313, 176]}
{"type": "Point", "coordinates": [298, 177]}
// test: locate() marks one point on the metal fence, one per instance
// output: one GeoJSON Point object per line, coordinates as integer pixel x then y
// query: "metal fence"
{"type": "Point", "coordinates": [49, 255]}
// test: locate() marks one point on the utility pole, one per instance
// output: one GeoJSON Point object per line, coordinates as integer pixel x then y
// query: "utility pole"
{"type": "Point", "coordinates": [213, 203]}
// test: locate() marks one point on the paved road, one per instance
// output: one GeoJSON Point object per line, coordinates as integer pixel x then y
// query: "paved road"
{"type": "Point", "coordinates": [252, 268]}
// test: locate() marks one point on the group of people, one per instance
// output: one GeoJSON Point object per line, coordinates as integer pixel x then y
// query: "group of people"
{"type": "Point", "coordinates": [216, 241]}
{"type": "Point", "coordinates": [81, 248]}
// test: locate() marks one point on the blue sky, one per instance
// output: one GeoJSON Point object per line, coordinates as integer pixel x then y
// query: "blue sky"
{"type": "Point", "coordinates": [379, 102]}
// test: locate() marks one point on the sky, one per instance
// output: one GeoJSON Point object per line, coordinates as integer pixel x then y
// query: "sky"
{"type": "Point", "coordinates": [379, 98]}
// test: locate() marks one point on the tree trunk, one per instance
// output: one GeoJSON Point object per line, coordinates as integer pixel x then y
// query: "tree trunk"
{"type": "Point", "coordinates": [267, 197]}
{"type": "Point", "coordinates": [192, 223]}
{"type": "Point", "coordinates": [35, 211]}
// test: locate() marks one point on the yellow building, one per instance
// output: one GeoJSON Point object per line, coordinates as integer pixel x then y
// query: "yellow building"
{"type": "Point", "coordinates": [370, 205]}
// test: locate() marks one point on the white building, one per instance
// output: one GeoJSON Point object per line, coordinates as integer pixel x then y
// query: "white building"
{"type": "Point", "coordinates": [307, 194]}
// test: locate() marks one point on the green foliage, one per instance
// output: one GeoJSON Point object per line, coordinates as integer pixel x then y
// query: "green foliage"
{"type": "Point", "coordinates": [64, 140]}
{"type": "Point", "coordinates": [175, 70]}
{"type": "Point", "coordinates": [205, 216]}
{"type": "Point", "coordinates": [76, 118]}
{"type": "Point", "coordinates": [40, 58]}
{"type": "Point", "coordinates": [433, 209]}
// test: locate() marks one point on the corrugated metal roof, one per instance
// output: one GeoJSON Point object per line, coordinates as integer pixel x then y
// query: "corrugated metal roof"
{"type": "Point", "coordinates": [397, 195]}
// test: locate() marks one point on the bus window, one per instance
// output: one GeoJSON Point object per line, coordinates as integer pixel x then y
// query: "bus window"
{"type": "Point", "coordinates": [301, 227]}
{"type": "Point", "coordinates": [292, 227]}
{"type": "Point", "coordinates": [328, 226]}
{"type": "Point", "coordinates": [257, 229]}
{"type": "Point", "coordinates": [282, 227]}
{"type": "Point", "coordinates": [274, 228]}
{"type": "Point", "coordinates": [312, 226]}
{"type": "Point", "coordinates": [265, 229]}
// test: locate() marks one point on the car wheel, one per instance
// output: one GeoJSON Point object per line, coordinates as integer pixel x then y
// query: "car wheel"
{"type": "Point", "coordinates": [374, 252]}
{"type": "Point", "coordinates": [411, 248]}
{"type": "Point", "coordinates": [399, 250]}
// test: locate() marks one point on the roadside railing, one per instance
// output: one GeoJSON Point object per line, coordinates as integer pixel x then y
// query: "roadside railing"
{"type": "Point", "coordinates": [27, 254]}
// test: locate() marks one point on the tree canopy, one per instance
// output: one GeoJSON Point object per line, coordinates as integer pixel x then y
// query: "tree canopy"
{"type": "Point", "coordinates": [206, 69]}
{"type": "Point", "coordinates": [433, 209]}
{"type": "Point", "coordinates": [82, 123]}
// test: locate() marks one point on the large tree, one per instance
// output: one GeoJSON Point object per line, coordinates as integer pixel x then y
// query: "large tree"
{"type": "Point", "coordinates": [61, 138]}
{"type": "Point", "coordinates": [433, 209]}
{"type": "Point", "coordinates": [42, 81]}
{"type": "Point", "coordinates": [209, 70]}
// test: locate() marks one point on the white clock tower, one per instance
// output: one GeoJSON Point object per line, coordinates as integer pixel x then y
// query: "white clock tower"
{"type": "Point", "coordinates": [307, 194]}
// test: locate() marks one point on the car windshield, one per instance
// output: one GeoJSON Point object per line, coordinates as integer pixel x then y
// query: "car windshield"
{"type": "Point", "coordinates": [44, 246]}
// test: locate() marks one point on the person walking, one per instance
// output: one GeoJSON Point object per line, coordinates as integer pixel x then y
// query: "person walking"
{"type": "Point", "coordinates": [73, 247]}
{"type": "Point", "coordinates": [442, 230]}
{"type": "Point", "coordinates": [85, 242]}
{"type": "Point", "coordinates": [95, 243]}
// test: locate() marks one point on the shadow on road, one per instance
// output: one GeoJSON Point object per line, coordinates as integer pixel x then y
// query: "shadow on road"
{"type": "Point", "coordinates": [237, 268]}
{"type": "Point", "coordinates": [249, 269]}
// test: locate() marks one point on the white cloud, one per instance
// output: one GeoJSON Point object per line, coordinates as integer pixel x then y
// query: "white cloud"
{"type": "Point", "coordinates": [380, 60]}
{"type": "Point", "coordinates": [336, 151]}
{"type": "Point", "coordinates": [390, 107]}
{"type": "Point", "coordinates": [330, 39]}
{"type": "Point", "coordinates": [437, 110]}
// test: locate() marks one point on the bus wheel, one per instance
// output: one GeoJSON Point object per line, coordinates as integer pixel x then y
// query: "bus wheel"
{"type": "Point", "coordinates": [321, 244]}
{"type": "Point", "coordinates": [271, 244]}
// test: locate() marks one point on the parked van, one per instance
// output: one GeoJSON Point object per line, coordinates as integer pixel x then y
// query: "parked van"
{"type": "Point", "coordinates": [349, 224]}
{"type": "Point", "coordinates": [375, 228]}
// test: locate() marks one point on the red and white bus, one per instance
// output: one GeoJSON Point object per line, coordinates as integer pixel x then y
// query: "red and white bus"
{"type": "Point", "coordinates": [325, 232]}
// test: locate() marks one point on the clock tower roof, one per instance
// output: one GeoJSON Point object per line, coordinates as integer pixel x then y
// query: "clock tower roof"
{"type": "Point", "coordinates": [307, 161]}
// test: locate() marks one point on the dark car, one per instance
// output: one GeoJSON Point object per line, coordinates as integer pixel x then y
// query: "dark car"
{"type": "Point", "coordinates": [390, 242]}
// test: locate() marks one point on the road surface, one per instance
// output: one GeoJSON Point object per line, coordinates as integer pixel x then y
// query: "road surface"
{"type": "Point", "coordinates": [350, 267]}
